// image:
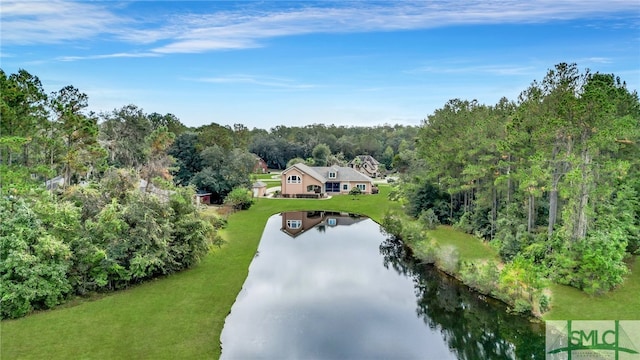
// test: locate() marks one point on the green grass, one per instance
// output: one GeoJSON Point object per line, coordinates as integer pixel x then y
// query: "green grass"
{"type": "Point", "coordinates": [265, 177]}
{"type": "Point", "coordinates": [181, 316]}
{"type": "Point", "coordinates": [567, 302]}
{"type": "Point", "coordinates": [469, 247]}
{"type": "Point", "coordinates": [177, 317]}
{"type": "Point", "coordinates": [622, 303]}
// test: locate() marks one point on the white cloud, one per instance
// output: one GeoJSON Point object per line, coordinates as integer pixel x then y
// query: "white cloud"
{"type": "Point", "coordinates": [256, 80]}
{"type": "Point", "coordinates": [454, 67]}
{"type": "Point", "coordinates": [107, 56]}
{"type": "Point", "coordinates": [56, 21]}
{"type": "Point", "coordinates": [37, 22]}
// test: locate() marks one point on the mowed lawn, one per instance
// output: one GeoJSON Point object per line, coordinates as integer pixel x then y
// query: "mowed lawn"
{"type": "Point", "coordinates": [176, 317]}
{"type": "Point", "coordinates": [181, 316]}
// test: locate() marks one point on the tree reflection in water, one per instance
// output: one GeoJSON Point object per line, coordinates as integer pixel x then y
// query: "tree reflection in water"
{"type": "Point", "coordinates": [473, 326]}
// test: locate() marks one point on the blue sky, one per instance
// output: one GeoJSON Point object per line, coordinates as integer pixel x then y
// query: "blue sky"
{"type": "Point", "coordinates": [353, 63]}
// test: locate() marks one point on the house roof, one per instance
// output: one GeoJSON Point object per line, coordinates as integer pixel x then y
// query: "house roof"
{"type": "Point", "coordinates": [321, 173]}
{"type": "Point", "coordinates": [259, 184]}
{"type": "Point", "coordinates": [365, 158]}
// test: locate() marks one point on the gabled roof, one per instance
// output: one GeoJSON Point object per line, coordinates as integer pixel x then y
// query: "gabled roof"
{"type": "Point", "coordinates": [259, 184]}
{"type": "Point", "coordinates": [365, 158]}
{"type": "Point", "coordinates": [321, 173]}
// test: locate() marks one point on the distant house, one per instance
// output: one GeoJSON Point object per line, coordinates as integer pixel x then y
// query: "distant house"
{"type": "Point", "coordinates": [260, 166]}
{"type": "Point", "coordinates": [55, 183]}
{"type": "Point", "coordinates": [295, 223]}
{"type": "Point", "coordinates": [301, 180]}
{"type": "Point", "coordinates": [146, 187]}
{"type": "Point", "coordinates": [366, 164]}
{"type": "Point", "coordinates": [203, 198]}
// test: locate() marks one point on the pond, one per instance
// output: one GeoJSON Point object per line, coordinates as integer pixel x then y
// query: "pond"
{"type": "Point", "coordinates": [327, 285]}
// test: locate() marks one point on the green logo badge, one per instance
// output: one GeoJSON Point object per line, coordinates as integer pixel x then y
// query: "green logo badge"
{"type": "Point", "coordinates": [582, 339]}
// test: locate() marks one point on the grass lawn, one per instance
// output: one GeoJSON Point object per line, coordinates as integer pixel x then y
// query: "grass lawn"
{"type": "Point", "coordinates": [567, 302]}
{"type": "Point", "coordinates": [181, 316]}
{"type": "Point", "coordinates": [469, 247]}
{"type": "Point", "coordinates": [620, 304]}
{"type": "Point", "coordinates": [177, 317]}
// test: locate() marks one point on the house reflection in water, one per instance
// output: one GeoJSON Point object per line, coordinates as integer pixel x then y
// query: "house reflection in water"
{"type": "Point", "coordinates": [295, 223]}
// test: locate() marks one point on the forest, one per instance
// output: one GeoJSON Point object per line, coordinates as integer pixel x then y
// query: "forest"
{"type": "Point", "coordinates": [550, 179]}
{"type": "Point", "coordinates": [97, 202]}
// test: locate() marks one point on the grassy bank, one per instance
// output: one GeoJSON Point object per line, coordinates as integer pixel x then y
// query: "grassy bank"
{"type": "Point", "coordinates": [567, 302]}
{"type": "Point", "coordinates": [181, 316]}
{"type": "Point", "coordinates": [177, 317]}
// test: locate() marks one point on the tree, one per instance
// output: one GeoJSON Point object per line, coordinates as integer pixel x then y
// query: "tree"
{"type": "Point", "coordinates": [169, 121]}
{"type": "Point", "coordinates": [33, 262]}
{"type": "Point", "coordinates": [185, 150]}
{"type": "Point", "coordinates": [81, 153]}
{"type": "Point", "coordinates": [24, 118]}
{"type": "Point", "coordinates": [122, 132]}
{"type": "Point", "coordinates": [321, 154]}
{"type": "Point", "coordinates": [239, 199]}
{"type": "Point", "coordinates": [222, 171]}
{"type": "Point", "coordinates": [158, 161]}
{"type": "Point", "coordinates": [355, 192]}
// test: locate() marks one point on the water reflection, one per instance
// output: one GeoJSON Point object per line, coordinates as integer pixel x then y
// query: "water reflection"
{"type": "Point", "coordinates": [328, 294]}
{"type": "Point", "coordinates": [473, 326]}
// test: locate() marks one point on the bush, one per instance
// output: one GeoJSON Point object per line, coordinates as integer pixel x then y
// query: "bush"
{"type": "Point", "coordinates": [545, 303]}
{"type": "Point", "coordinates": [448, 259]}
{"type": "Point", "coordinates": [522, 306]}
{"type": "Point", "coordinates": [391, 225]}
{"type": "Point", "coordinates": [355, 191]}
{"type": "Point", "coordinates": [429, 219]}
{"type": "Point", "coordinates": [33, 262]}
{"type": "Point", "coordinates": [239, 199]}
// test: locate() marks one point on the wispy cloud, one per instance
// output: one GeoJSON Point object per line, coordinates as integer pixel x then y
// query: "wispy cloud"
{"type": "Point", "coordinates": [108, 56]}
{"type": "Point", "coordinates": [231, 30]}
{"type": "Point", "coordinates": [38, 22]}
{"type": "Point", "coordinates": [460, 68]}
{"type": "Point", "coordinates": [255, 80]}
{"type": "Point", "coordinates": [595, 60]}
{"type": "Point", "coordinates": [55, 21]}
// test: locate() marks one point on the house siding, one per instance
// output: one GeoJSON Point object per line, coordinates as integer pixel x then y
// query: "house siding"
{"type": "Point", "coordinates": [345, 179]}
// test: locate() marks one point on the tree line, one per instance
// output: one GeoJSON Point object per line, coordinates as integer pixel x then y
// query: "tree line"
{"type": "Point", "coordinates": [551, 180]}
{"type": "Point", "coordinates": [123, 211]}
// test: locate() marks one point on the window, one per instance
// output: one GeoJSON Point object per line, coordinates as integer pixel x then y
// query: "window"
{"type": "Point", "coordinates": [345, 187]}
{"type": "Point", "coordinates": [362, 187]}
{"type": "Point", "coordinates": [332, 187]}
{"type": "Point", "coordinates": [294, 179]}
{"type": "Point", "coordinates": [332, 222]}
{"type": "Point", "coordinates": [294, 224]}
{"type": "Point", "coordinates": [332, 175]}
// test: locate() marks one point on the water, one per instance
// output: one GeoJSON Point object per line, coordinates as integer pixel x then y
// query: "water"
{"type": "Point", "coordinates": [333, 286]}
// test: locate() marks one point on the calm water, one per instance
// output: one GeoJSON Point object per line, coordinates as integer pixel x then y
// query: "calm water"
{"type": "Point", "coordinates": [332, 286]}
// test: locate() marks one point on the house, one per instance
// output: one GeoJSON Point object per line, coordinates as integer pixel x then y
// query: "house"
{"type": "Point", "coordinates": [146, 187]}
{"type": "Point", "coordinates": [55, 183]}
{"type": "Point", "coordinates": [261, 166]}
{"type": "Point", "coordinates": [203, 198]}
{"type": "Point", "coordinates": [305, 181]}
{"type": "Point", "coordinates": [259, 189]}
{"type": "Point", "coordinates": [295, 223]}
{"type": "Point", "coordinates": [366, 164]}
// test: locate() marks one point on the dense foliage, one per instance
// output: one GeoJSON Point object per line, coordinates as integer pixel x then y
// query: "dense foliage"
{"type": "Point", "coordinates": [119, 210]}
{"type": "Point", "coordinates": [551, 180]}
{"type": "Point", "coordinates": [98, 237]}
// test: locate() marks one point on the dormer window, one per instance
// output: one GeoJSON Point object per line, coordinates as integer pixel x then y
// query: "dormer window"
{"type": "Point", "coordinates": [333, 174]}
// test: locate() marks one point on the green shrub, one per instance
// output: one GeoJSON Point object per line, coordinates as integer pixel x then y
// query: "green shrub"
{"type": "Point", "coordinates": [239, 199]}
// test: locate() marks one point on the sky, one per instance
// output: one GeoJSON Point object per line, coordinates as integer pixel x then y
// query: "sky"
{"type": "Point", "coordinates": [296, 63]}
